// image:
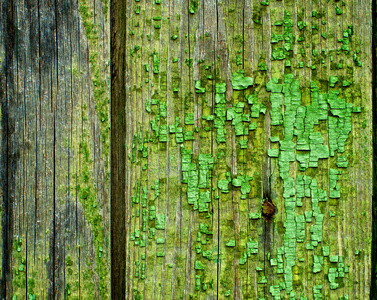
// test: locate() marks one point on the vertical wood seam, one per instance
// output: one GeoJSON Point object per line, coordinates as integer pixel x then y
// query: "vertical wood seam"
{"type": "Point", "coordinates": [118, 204]}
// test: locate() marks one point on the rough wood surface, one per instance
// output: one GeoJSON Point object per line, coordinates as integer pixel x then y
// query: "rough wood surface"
{"type": "Point", "coordinates": [232, 110]}
{"type": "Point", "coordinates": [55, 149]}
{"type": "Point", "coordinates": [118, 156]}
{"type": "Point", "coordinates": [193, 136]}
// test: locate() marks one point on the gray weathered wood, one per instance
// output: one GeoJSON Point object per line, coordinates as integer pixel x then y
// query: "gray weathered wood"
{"type": "Point", "coordinates": [55, 187]}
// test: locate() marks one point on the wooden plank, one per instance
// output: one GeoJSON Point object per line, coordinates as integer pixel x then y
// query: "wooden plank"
{"type": "Point", "coordinates": [56, 206]}
{"type": "Point", "coordinates": [292, 245]}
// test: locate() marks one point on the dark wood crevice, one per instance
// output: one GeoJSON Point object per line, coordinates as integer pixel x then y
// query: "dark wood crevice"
{"type": "Point", "coordinates": [118, 153]}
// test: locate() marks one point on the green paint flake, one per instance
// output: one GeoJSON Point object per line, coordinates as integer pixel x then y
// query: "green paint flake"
{"type": "Point", "coordinates": [163, 109]}
{"type": "Point", "coordinates": [263, 280]}
{"type": "Point", "coordinates": [301, 25]}
{"type": "Point", "coordinates": [189, 119]}
{"type": "Point", "coordinates": [236, 182]}
{"type": "Point", "coordinates": [188, 135]}
{"type": "Point", "coordinates": [245, 188]}
{"type": "Point", "coordinates": [238, 60]}
{"type": "Point", "coordinates": [220, 100]}
{"type": "Point", "coordinates": [252, 125]}
{"type": "Point", "coordinates": [274, 86]}
{"type": "Point", "coordinates": [251, 98]}
{"type": "Point", "coordinates": [240, 82]}
{"type": "Point", "coordinates": [346, 83]}
{"type": "Point", "coordinates": [262, 67]}
{"type": "Point", "coordinates": [223, 185]}
{"type": "Point", "coordinates": [278, 54]}
{"type": "Point", "coordinates": [317, 265]}
{"type": "Point", "coordinates": [156, 64]}
{"type": "Point", "coordinates": [198, 88]}
{"type": "Point", "coordinates": [275, 38]}
{"type": "Point", "coordinates": [220, 88]}
{"type": "Point", "coordinates": [193, 6]}
{"type": "Point", "coordinates": [198, 265]}
{"type": "Point", "coordinates": [231, 243]}
{"type": "Point", "coordinates": [203, 228]}
{"type": "Point", "coordinates": [243, 144]}
{"type": "Point", "coordinates": [333, 80]}
{"type": "Point", "coordinates": [208, 118]}
{"type": "Point", "coordinates": [333, 258]}
{"type": "Point", "coordinates": [255, 216]}
{"type": "Point", "coordinates": [256, 109]}
{"type": "Point", "coordinates": [204, 201]}
{"type": "Point", "coordinates": [179, 135]}
{"type": "Point", "coordinates": [273, 152]}
{"type": "Point", "coordinates": [160, 221]}
{"type": "Point", "coordinates": [342, 162]}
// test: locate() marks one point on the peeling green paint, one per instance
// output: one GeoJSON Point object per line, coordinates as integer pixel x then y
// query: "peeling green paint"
{"type": "Point", "coordinates": [297, 112]}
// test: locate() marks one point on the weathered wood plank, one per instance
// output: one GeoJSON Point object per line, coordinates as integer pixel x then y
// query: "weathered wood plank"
{"type": "Point", "coordinates": [290, 49]}
{"type": "Point", "coordinates": [56, 209]}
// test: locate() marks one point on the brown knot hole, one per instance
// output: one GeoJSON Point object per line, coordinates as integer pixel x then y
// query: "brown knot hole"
{"type": "Point", "coordinates": [268, 209]}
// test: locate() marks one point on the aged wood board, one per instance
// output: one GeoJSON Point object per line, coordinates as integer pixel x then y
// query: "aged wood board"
{"type": "Point", "coordinates": [55, 145]}
{"type": "Point", "coordinates": [248, 140]}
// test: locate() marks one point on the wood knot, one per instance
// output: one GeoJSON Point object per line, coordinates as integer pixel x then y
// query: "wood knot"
{"type": "Point", "coordinates": [268, 209]}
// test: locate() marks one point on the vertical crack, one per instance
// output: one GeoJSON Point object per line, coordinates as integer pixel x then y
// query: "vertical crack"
{"type": "Point", "coordinates": [218, 201]}
{"type": "Point", "coordinates": [54, 268]}
{"type": "Point", "coordinates": [118, 199]}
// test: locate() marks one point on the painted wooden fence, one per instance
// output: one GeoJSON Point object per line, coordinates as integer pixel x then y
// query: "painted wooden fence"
{"type": "Point", "coordinates": [241, 149]}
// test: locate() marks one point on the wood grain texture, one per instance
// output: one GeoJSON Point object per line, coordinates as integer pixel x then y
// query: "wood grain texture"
{"type": "Point", "coordinates": [178, 53]}
{"type": "Point", "coordinates": [118, 159]}
{"type": "Point", "coordinates": [193, 156]}
{"type": "Point", "coordinates": [55, 150]}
